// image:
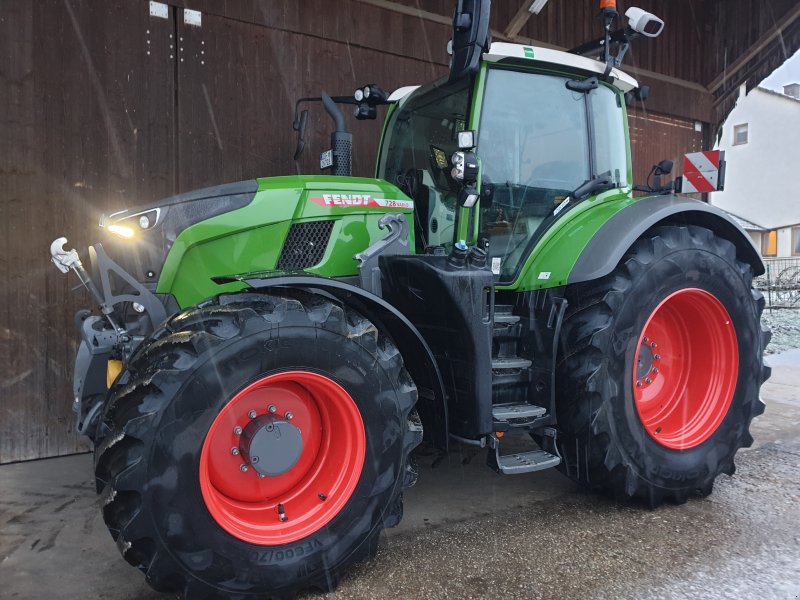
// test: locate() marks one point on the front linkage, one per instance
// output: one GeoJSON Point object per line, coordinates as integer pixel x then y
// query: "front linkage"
{"type": "Point", "coordinates": [106, 341]}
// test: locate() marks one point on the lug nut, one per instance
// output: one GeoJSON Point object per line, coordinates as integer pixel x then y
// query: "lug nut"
{"type": "Point", "coordinates": [655, 370]}
{"type": "Point", "coordinates": [237, 430]}
{"type": "Point", "coordinates": [653, 345]}
{"type": "Point", "coordinates": [638, 384]}
{"type": "Point", "coordinates": [243, 468]}
{"type": "Point", "coordinates": [646, 339]}
{"type": "Point", "coordinates": [289, 416]}
{"type": "Point", "coordinates": [272, 408]}
{"type": "Point", "coordinates": [235, 451]}
{"type": "Point", "coordinates": [252, 414]}
{"type": "Point", "coordinates": [648, 380]}
{"type": "Point", "coordinates": [657, 357]}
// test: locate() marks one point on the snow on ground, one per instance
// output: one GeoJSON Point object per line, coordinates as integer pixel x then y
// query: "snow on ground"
{"type": "Point", "coordinates": [785, 326]}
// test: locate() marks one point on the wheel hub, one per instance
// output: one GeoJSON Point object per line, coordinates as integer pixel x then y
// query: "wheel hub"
{"type": "Point", "coordinates": [271, 446]}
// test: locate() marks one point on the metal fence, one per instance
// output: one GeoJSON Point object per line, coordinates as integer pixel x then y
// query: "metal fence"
{"type": "Point", "coordinates": [780, 283]}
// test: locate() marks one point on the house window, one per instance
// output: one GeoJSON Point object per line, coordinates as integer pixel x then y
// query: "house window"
{"type": "Point", "coordinates": [769, 243]}
{"type": "Point", "coordinates": [796, 241]}
{"type": "Point", "coordinates": [740, 134]}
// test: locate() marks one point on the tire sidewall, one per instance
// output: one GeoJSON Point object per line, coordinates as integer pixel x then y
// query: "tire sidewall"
{"type": "Point", "coordinates": [683, 268]}
{"type": "Point", "coordinates": [174, 498]}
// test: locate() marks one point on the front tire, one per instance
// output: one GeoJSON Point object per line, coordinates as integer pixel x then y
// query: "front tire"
{"type": "Point", "coordinates": [661, 368]}
{"type": "Point", "coordinates": [309, 385]}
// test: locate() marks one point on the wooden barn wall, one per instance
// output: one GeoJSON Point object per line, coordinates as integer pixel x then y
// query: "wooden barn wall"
{"type": "Point", "coordinates": [98, 112]}
{"type": "Point", "coordinates": [103, 106]}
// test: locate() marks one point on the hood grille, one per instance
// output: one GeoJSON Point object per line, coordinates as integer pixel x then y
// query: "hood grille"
{"type": "Point", "coordinates": [305, 245]}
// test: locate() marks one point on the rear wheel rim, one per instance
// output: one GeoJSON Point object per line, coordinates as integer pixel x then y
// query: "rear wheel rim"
{"type": "Point", "coordinates": [685, 369]}
{"type": "Point", "coordinates": [310, 434]}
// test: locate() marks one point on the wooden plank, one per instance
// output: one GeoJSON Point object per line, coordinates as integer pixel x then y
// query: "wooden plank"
{"type": "Point", "coordinates": [519, 19]}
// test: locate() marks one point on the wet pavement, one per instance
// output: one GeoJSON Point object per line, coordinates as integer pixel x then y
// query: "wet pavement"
{"type": "Point", "coordinates": [469, 533]}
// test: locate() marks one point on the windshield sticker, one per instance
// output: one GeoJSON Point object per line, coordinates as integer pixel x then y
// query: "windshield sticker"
{"type": "Point", "coordinates": [440, 157]}
{"type": "Point", "coordinates": [360, 200]}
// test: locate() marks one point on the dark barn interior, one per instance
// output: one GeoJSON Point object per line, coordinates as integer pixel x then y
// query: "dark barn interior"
{"type": "Point", "coordinates": [104, 106]}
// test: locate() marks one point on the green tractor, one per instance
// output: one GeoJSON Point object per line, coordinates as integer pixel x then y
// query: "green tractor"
{"type": "Point", "coordinates": [267, 353]}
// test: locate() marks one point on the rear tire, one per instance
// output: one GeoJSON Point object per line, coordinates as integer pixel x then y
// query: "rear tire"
{"type": "Point", "coordinates": [174, 497]}
{"type": "Point", "coordinates": [637, 431]}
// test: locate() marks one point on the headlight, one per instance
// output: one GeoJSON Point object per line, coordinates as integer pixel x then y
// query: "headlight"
{"type": "Point", "coordinates": [126, 226]}
{"type": "Point", "coordinates": [121, 230]}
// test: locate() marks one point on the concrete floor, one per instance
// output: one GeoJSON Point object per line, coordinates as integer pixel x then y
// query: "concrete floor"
{"type": "Point", "coordinates": [469, 533]}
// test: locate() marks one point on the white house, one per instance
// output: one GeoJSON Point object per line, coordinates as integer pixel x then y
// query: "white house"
{"type": "Point", "coordinates": [761, 140]}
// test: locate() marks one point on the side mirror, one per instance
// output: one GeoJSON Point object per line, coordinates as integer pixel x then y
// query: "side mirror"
{"type": "Point", "coordinates": [299, 126]}
{"type": "Point", "coordinates": [664, 167]}
{"type": "Point", "coordinates": [471, 37]}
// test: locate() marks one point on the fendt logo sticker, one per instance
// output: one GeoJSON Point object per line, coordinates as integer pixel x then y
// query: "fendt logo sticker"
{"type": "Point", "coordinates": [359, 200]}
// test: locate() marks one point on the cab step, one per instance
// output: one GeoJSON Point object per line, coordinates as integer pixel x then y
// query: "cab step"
{"type": "Point", "coordinates": [525, 462]}
{"type": "Point", "coordinates": [513, 362]}
{"type": "Point", "coordinates": [505, 412]}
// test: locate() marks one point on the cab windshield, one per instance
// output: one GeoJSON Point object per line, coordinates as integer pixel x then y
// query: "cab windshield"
{"type": "Point", "coordinates": [535, 147]}
{"type": "Point", "coordinates": [421, 136]}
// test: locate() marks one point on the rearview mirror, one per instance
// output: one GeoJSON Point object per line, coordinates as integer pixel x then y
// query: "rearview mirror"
{"type": "Point", "coordinates": [470, 37]}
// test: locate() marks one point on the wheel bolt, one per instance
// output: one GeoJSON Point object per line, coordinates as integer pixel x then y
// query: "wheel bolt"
{"type": "Point", "coordinates": [289, 416]}
{"type": "Point", "coordinates": [646, 339]}
{"type": "Point", "coordinates": [243, 468]}
{"type": "Point", "coordinates": [655, 370]}
{"type": "Point", "coordinates": [648, 380]}
{"type": "Point", "coordinates": [252, 414]}
{"type": "Point", "coordinates": [235, 451]}
{"type": "Point", "coordinates": [272, 408]}
{"type": "Point", "coordinates": [653, 345]}
{"type": "Point", "coordinates": [638, 384]}
{"type": "Point", "coordinates": [657, 357]}
{"type": "Point", "coordinates": [237, 430]}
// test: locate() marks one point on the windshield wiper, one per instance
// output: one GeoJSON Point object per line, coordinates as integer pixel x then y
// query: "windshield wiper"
{"type": "Point", "coordinates": [591, 187]}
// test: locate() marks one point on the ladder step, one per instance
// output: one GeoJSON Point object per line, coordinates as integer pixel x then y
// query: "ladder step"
{"type": "Point", "coordinates": [511, 363]}
{"type": "Point", "coordinates": [527, 462]}
{"type": "Point", "coordinates": [504, 412]}
{"type": "Point", "coordinates": [505, 318]}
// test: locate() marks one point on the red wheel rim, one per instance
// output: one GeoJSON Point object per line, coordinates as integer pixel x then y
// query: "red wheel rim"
{"type": "Point", "coordinates": [309, 483]}
{"type": "Point", "coordinates": [685, 369]}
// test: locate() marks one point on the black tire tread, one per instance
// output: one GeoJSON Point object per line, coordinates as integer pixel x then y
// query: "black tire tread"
{"type": "Point", "coordinates": [176, 347]}
{"type": "Point", "coordinates": [585, 428]}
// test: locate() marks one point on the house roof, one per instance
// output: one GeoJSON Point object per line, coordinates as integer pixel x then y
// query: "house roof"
{"type": "Point", "coordinates": [744, 223]}
{"type": "Point", "coordinates": [778, 94]}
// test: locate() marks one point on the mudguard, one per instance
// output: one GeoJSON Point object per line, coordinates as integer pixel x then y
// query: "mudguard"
{"type": "Point", "coordinates": [604, 251]}
{"type": "Point", "coordinates": [417, 355]}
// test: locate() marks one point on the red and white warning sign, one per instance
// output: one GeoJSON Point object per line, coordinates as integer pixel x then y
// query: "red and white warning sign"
{"type": "Point", "coordinates": [703, 172]}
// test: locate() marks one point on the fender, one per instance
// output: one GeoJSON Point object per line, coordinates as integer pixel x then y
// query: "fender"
{"type": "Point", "coordinates": [417, 355]}
{"type": "Point", "coordinates": [605, 250]}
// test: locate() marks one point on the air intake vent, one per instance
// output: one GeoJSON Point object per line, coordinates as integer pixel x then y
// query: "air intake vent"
{"type": "Point", "coordinates": [305, 245]}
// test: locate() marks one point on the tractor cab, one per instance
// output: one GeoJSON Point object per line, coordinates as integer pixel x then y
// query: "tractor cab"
{"type": "Point", "coordinates": [543, 126]}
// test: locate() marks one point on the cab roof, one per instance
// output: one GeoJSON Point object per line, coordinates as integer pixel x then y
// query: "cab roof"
{"type": "Point", "coordinates": [504, 52]}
